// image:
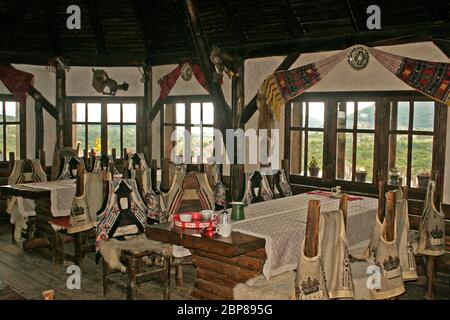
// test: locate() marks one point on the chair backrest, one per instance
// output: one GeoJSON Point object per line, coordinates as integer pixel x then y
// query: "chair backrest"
{"type": "Point", "coordinates": [58, 159]}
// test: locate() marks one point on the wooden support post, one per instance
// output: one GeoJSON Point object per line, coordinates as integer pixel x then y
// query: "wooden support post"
{"type": "Point", "coordinates": [114, 154]}
{"type": "Point", "coordinates": [39, 120]}
{"type": "Point", "coordinates": [154, 175]}
{"type": "Point", "coordinates": [147, 122]}
{"type": "Point", "coordinates": [42, 159]}
{"type": "Point", "coordinates": [389, 226]}
{"type": "Point", "coordinates": [405, 192]}
{"type": "Point", "coordinates": [312, 229]}
{"type": "Point", "coordinates": [381, 201]}
{"type": "Point", "coordinates": [343, 206]}
{"type": "Point", "coordinates": [165, 175]}
{"type": "Point", "coordinates": [92, 162]}
{"type": "Point", "coordinates": [222, 113]}
{"type": "Point", "coordinates": [60, 106]}
{"type": "Point", "coordinates": [238, 102]}
{"type": "Point", "coordinates": [286, 166]}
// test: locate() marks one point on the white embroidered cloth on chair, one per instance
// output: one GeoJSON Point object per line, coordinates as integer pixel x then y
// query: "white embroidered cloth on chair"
{"type": "Point", "coordinates": [61, 196]}
{"type": "Point", "coordinates": [282, 223]}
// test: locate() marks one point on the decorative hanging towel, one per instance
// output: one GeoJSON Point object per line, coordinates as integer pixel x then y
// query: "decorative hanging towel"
{"type": "Point", "coordinates": [283, 86]}
{"type": "Point", "coordinates": [310, 282]}
{"type": "Point", "coordinates": [334, 253]}
{"type": "Point", "coordinates": [430, 78]}
{"type": "Point", "coordinates": [432, 227]}
{"type": "Point", "coordinates": [16, 81]}
{"type": "Point", "coordinates": [94, 192]}
{"type": "Point", "coordinates": [407, 260]}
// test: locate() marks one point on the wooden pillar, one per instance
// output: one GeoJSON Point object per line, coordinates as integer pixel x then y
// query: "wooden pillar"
{"type": "Point", "coordinates": [312, 229]}
{"type": "Point", "coordinates": [39, 138]}
{"type": "Point", "coordinates": [238, 103]}
{"type": "Point", "coordinates": [23, 128]}
{"type": "Point", "coordinates": [222, 114]}
{"type": "Point", "coordinates": [60, 106]}
{"type": "Point", "coordinates": [147, 122]}
{"type": "Point", "coordinates": [341, 140]}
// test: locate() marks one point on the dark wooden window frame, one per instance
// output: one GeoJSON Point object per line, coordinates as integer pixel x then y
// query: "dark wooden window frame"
{"type": "Point", "coordinates": [104, 101]}
{"type": "Point", "coordinates": [22, 127]}
{"type": "Point", "coordinates": [187, 100]}
{"type": "Point", "coordinates": [381, 152]}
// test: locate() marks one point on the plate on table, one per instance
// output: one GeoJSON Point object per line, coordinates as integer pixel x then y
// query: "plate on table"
{"type": "Point", "coordinates": [196, 222]}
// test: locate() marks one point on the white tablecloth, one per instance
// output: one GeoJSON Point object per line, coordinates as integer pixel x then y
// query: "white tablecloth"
{"type": "Point", "coordinates": [282, 223]}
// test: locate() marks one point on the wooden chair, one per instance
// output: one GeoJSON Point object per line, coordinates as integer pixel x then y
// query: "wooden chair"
{"type": "Point", "coordinates": [58, 159]}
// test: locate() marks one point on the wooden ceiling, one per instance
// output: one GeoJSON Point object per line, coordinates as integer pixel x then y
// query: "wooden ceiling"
{"type": "Point", "coordinates": [129, 32]}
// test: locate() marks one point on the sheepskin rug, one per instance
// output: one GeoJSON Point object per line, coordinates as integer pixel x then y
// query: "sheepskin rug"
{"type": "Point", "coordinates": [279, 287]}
{"type": "Point", "coordinates": [113, 251]}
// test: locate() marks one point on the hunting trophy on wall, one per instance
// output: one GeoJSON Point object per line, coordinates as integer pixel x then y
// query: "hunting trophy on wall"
{"type": "Point", "coordinates": [224, 62]}
{"type": "Point", "coordinates": [101, 80]}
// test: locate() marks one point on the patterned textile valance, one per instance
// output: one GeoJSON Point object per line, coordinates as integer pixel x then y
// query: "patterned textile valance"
{"type": "Point", "coordinates": [430, 78]}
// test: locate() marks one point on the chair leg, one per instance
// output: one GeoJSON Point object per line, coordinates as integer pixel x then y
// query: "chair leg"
{"type": "Point", "coordinates": [78, 240]}
{"type": "Point", "coordinates": [13, 227]}
{"type": "Point", "coordinates": [166, 295]}
{"type": "Point", "coordinates": [179, 275]}
{"type": "Point", "coordinates": [105, 278]}
{"type": "Point", "coordinates": [131, 294]}
{"type": "Point", "coordinates": [431, 270]}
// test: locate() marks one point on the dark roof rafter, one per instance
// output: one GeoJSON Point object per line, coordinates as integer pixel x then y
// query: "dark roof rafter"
{"type": "Point", "coordinates": [171, 6]}
{"type": "Point", "coordinates": [15, 23]}
{"type": "Point", "coordinates": [231, 20]}
{"type": "Point", "coordinates": [97, 27]}
{"type": "Point", "coordinates": [53, 27]}
{"type": "Point", "coordinates": [291, 19]}
{"type": "Point", "coordinates": [357, 14]}
{"type": "Point", "coordinates": [144, 29]}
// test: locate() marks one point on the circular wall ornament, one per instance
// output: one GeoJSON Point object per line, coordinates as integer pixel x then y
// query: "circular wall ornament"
{"type": "Point", "coordinates": [186, 72]}
{"type": "Point", "coordinates": [358, 58]}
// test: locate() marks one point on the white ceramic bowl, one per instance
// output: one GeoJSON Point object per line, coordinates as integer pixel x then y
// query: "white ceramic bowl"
{"type": "Point", "coordinates": [206, 214]}
{"type": "Point", "coordinates": [185, 217]}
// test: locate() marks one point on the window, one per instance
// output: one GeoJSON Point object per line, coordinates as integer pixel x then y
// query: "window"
{"type": "Point", "coordinates": [411, 136]}
{"type": "Point", "coordinates": [104, 125]}
{"type": "Point", "coordinates": [191, 115]}
{"type": "Point", "coordinates": [307, 122]}
{"type": "Point", "coordinates": [9, 128]}
{"type": "Point", "coordinates": [355, 140]}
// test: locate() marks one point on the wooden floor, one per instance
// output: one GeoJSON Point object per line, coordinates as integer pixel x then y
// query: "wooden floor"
{"type": "Point", "coordinates": [32, 272]}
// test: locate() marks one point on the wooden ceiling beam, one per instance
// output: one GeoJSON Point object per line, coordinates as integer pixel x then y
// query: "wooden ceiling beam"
{"type": "Point", "coordinates": [443, 45]}
{"type": "Point", "coordinates": [97, 27]}
{"type": "Point", "coordinates": [15, 23]}
{"type": "Point", "coordinates": [291, 19]}
{"type": "Point", "coordinates": [357, 15]}
{"type": "Point", "coordinates": [53, 27]}
{"type": "Point", "coordinates": [180, 20]}
{"type": "Point", "coordinates": [252, 106]}
{"type": "Point", "coordinates": [238, 34]}
{"type": "Point", "coordinates": [222, 111]}
{"type": "Point", "coordinates": [144, 29]}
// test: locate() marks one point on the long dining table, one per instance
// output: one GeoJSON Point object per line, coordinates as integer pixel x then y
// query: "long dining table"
{"type": "Point", "coordinates": [266, 242]}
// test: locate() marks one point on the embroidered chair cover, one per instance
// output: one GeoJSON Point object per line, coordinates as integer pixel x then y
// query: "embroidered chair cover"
{"type": "Point", "coordinates": [215, 181]}
{"type": "Point", "coordinates": [310, 282]}
{"type": "Point", "coordinates": [407, 260]}
{"type": "Point", "coordinates": [205, 193]}
{"type": "Point", "coordinates": [432, 226]}
{"type": "Point", "coordinates": [140, 157]}
{"type": "Point", "coordinates": [155, 203]}
{"type": "Point", "coordinates": [111, 165]}
{"type": "Point", "coordinates": [334, 252]}
{"type": "Point", "coordinates": [265, 192]}
{"type": "Point", "coordinates": [174, 195]}
{"type": "Point", "coordinates": [282, 188]}
{"type": "Point", "coordinates": [107, 219]}
{"type": "Point", "coordinates": [65, 173]}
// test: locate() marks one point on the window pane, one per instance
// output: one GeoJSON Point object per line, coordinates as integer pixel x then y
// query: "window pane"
{"type": "Point", "coordinates": [176, 144]}
{"type": "Point", "coordinates": [296, 161]}
{"type": "Point", "coordinates": [12, 111]}
{"type": "Point", "coordinates": [114, 138]}
{"type": "Point", "coordinates": [421, 161]}
{"type": "Point", "coordinates": [180, 112]}
{"type": "Point", "coordinates": [94, 112]}
{"type": "Point", "coordinates": [1, 112]}
{"type": "Point", "coordinates": [398, 158]}
{"type": "Point", "coordinates": [196, 145]}
{"type": "Point", "coordinates": [78, 112]}
{"type": "Point", "coordinates": [94, 138]}
{"type": "Point", "coordinates": [208, 113]}
{"type": "Point", "coordinates": [366, 115]}
{"type": "Point", "coordinates": [129, 138]}
{"type": "Point", "coordinates": [79, 136]}
{"type": "Point", "coordinates": [315, 151]}
{"type": "Point", "coordinates": [423, 116]}
{"type": "Point", "coordinates": [344, 156]}
{"type": "Point", "coordinates": [400, 115]}
{"type": "Point", "coordinates": [12, 140]}
{"type": "Point", "coordinates": [113, 112]}
{"type": "Point", "coordinates": [196, 113]}
{"type": "Point", "coordinates": [296, 114]}
{"type": "Point", "coordinates": [346, 112]}
{"type": "Point", "coordinates": [129, 112]}
{"type": "Point", "coordinates": [2, 156]}
{"type": "Point", "coordinates": [364, 157]}
{"type": "Point", "coordinates": [208, 143]}
{"type": "Point", "coordinates": [316, 114]}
